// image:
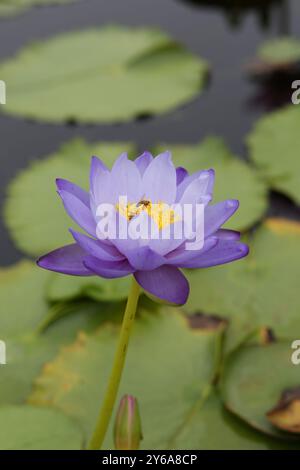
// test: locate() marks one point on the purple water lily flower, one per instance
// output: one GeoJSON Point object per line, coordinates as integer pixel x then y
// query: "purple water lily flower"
{"type": "Point", "coordinates": [147, 183]}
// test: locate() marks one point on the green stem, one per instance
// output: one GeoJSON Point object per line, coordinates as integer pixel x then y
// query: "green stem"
{"type": "Point", "coordinates": [116, 373]}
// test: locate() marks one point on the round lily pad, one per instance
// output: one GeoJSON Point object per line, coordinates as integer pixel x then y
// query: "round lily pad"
{"type": "Point", "coordinates": [260, 290]}
{"type": "Point", "coordinates": [34, 214]}
{"type": "Point", "coordinates": [22, 298]}
{"type": "Point", "coordinates": [283, 50]}
{"type": "Point", "coordinates": [254, 380]}
{"type": "Point", "coordinates": [110, 74]}
{"type": "Point", "coordinates": [212, 428]}
{"type": "Point", "coordinates": [274, 149]}
{"type": "Point", "coordinates": [149, 374]}
{"type": "Point", "coordinates": [235, 179]}
{"type": "Point", "coordinates": [30, 428]}
{"type": "Point", "coordinates": [13, 7]}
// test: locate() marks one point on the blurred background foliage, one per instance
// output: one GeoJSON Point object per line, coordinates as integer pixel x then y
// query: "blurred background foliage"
{"type": "Point", "coordinates": [14, 7]}
{"type": "Point", "coordinates": [216, 373]}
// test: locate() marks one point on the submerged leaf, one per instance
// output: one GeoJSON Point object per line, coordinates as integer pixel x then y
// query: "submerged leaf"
{"type": "Point", "coordinates": [122, 73]}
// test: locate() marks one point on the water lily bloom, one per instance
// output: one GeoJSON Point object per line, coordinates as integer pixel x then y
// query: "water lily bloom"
{"type": "Point", "coordinates": [153, 191]}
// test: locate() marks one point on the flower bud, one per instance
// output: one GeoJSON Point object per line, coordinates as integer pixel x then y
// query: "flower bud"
{"type": "Point", "coordinates": [128, 430]}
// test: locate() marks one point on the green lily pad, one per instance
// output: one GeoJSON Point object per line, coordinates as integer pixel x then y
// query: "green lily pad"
{"type": "Point", "coordinates": [234, 178]}
{"type": "Point", "coordinates": [260, 290]}
{"type": "Point", "coordinates": [274, 149]}
{"type": "Point", "coordinates": [284, 50]}
{"type": "Point", "coordinates": [29, 353]}
{"type": "Point", "coordinates": [34, 213]}
{"type": "Point", "coordinates": [285, 414]}
{"type": "Point", "coordinates": [122, 73]}
{"type": "Point", "coordinates": [30, 428]}
{"type": "Point", "coordinates": [41, 224]}
{"type": "Point", "coordinates": [172, 379]}
{"type": "Point", "coordinates": [23, 311]}
{"type": "Point", "coordinates": [62, 288]}
{"type": "Point", "coordinates": [254, 380]}
{"type": "Point", "coordinates": [149, 374]}
{"type": "Point", "coordinates": [21, 298]}
{"type": "Point", "coordinates": [13, 7]}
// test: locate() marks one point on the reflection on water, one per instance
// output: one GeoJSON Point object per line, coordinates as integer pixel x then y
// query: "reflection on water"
{"type": "Point", "coordinates": [236, 9]}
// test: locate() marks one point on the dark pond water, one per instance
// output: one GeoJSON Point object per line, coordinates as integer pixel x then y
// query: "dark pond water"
{"type": "Point", "coordinates": [230, 105]}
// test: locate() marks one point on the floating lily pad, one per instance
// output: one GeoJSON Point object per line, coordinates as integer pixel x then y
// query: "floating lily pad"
{"type": "Point", "coordinates": [284, 50]}
{"type": "Point", "coordinates": [122, 73]}
{"type": "Point", "coordinates": [21, 298]}
{"type": "Point", "coordinates": [30, 428]}
{"type": "Point", "coordinates": [261, 290]}
{"type": "Point", "coordinates": [234, 178]}
{"type": "Point", "coordinates": [274, 148]}
{"type": "Point", "coordinates": [212, 428]}
{"type": "Point", "coordinates": [254, 380]}
{"type": "Point", "coordinates": [149, 374]}
{"type": "Point", "coordinates": [285, 415]}
{"type": "Point", "coordinates": [192, 416]}
{"type": "Point", "coordinates": [13, 7]}
{"type": "Point", "coordinates": [23, 310]}
{"type": "Point", "coordinates": [34, 213]}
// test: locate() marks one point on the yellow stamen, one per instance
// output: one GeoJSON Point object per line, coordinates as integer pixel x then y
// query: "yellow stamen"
{"type": "Point", "coordinates": [160, 212]}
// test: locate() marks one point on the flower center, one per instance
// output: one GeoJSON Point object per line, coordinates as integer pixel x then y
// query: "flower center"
{"type": "Point", "coordinates": [160, 212]}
